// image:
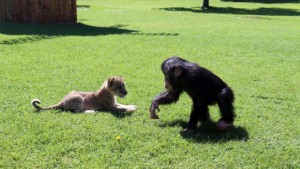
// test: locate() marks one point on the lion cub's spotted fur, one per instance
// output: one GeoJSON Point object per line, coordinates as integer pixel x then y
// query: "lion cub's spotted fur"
{"type": "Point", "coordinates": [103, 99]}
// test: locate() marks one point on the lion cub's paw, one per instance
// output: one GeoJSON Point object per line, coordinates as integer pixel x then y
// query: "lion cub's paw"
{"type": "Point", "coordinates": [89, 112]}
{"type": "Point", "coordinates": [131, 108]}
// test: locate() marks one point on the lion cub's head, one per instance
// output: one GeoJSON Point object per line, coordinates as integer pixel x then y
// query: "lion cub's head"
{"type": "Point", "coordinates": [117, 86]}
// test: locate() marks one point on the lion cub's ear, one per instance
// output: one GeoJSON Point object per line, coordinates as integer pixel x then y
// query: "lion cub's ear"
{"type": "Point", "coordinates": [111, 82]}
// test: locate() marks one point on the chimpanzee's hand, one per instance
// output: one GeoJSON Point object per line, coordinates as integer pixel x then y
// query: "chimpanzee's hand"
{"type": "Point", "coordinates": [153, 108]}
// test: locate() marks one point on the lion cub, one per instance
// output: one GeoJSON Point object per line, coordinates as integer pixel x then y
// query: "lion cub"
{"type": "Point", "coordinates": [89, 102]}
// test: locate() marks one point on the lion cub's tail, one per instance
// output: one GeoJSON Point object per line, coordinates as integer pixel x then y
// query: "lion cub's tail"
{"type": "Point", "coordinates": [34, 102]}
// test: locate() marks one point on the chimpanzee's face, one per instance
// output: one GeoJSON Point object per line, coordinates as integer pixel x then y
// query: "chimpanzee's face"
{"type": "Point", "coordinates": [172, 73]}
{"type": "Point", "coordinates": [171, 81]}
{"type": "Point", "coordinates": [168, 85]}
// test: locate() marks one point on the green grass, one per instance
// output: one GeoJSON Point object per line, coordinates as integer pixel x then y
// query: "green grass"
{"type": "Point", "coordinates": [254, 47]}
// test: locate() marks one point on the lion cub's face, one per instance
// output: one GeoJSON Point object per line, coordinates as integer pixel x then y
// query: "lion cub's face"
{"type": "Point", "coordinates": [117, 86]}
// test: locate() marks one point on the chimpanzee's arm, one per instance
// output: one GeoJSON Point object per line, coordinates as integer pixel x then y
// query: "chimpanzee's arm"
{"type": "Point", "coordinates": [163, 98]}
{"type": "Point", "coordinates": [167, 97]}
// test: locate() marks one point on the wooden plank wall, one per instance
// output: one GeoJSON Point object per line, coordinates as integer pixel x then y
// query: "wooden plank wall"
{"type": "Point", "coordinates": [38, 11]}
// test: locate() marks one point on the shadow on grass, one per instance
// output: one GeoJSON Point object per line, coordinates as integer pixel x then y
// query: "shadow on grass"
{"type": "Point", "coordinates": [155, 34]}
{"type": "Point", "coordinates": [264, 1]}
{"type": "Point", "coordinates": [78, 29]}
{"type": "Point", "coordinates": [240, 11]}
{"type": "Point", "coordinates": [83, 6]}
{"type": "Point", "coordinates": [208, 133]}
{"type": "Point", "coordinates": [37, 32]}
{"type": "Point", "coordinates": [119, 115]}
{"type": "Point", "coordinates": [49, 31]}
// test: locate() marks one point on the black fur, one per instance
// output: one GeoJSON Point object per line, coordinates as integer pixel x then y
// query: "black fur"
{"type": "Point", "coordinates": [204, 87]}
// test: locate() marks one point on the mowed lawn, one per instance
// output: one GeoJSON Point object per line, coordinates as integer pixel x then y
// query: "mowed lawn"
{"type": "Point", "coordinates": [254, 47]}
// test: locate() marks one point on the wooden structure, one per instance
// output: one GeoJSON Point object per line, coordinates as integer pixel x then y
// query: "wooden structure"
{"type": "Point", "coordinates": [38, 11]}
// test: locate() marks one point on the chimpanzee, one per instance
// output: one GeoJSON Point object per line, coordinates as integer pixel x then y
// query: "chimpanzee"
{"type": "Point", "coordinates": [204, 87]}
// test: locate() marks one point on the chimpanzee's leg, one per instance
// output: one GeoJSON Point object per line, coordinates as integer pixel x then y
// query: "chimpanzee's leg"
{"type": "Point", "coordinates": [225, 101]}
{"type": "Point", "coordinates": [203, 115]}
{"type": "Point", "coordinates": [199, 113]}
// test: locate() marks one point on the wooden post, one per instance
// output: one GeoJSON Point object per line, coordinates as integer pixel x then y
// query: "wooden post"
{"type": "Point", "coordinates": [38, 11]}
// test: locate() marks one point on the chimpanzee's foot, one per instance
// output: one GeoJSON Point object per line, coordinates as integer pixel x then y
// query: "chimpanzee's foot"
{"type": "Point", "coordinates": [223, 125]}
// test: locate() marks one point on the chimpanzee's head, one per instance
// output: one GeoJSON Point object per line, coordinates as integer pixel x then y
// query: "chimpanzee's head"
{"type": "Point", "coordinates": [172, 69]}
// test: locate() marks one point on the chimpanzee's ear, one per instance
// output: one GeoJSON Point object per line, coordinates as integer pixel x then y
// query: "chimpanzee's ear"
{"type": "Point", "coordinates": [110, 82]}
{"type": "Point", "coordinates": [177, 70]}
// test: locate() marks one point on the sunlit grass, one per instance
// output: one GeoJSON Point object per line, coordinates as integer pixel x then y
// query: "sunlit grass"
{"type": "Point", "coordinates": [255, 52]}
